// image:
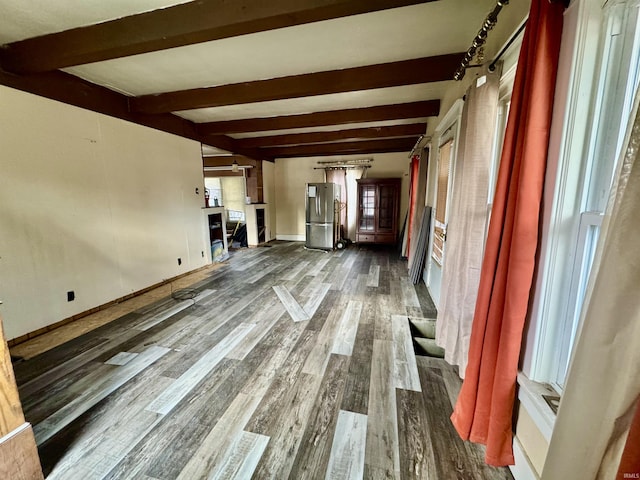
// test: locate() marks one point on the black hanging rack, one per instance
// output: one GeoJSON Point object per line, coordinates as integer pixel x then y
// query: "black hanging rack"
{"type": "Point", "coordinates": [480, 39]}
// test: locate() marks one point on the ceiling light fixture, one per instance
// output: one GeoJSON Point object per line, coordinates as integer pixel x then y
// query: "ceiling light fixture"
{"type": "Point", "coordinates": [235, 166]}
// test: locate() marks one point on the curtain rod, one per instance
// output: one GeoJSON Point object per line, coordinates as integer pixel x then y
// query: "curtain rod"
{"type": "Point", "coordinates": [480, 38]}
{"type": "Point", "coordinates": [492, 65]}
{"type": "Point", "coordinates": [342, 167]}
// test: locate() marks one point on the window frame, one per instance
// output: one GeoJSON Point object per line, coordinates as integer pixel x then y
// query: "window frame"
{"type": "Point", "coordinates": [566, 242]}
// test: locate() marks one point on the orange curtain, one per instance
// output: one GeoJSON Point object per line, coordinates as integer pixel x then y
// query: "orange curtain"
{"type": "Point", "coordinates": [483, 411]}
{"type": "Point", "coordinates": [630, 462]}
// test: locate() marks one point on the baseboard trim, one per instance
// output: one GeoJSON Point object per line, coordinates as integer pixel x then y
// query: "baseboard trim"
{"type": "Point", "coordinates": [41, 331]}
{"type": "Point", "coordinates": [522, 470]}
{"type": "Point", "coordinates": [291, 238]}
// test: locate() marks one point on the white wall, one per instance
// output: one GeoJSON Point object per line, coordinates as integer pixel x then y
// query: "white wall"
{"type": "Point", "coordinates": [291, 175]}
{"type": "Point", "coordinates": [92, 204]}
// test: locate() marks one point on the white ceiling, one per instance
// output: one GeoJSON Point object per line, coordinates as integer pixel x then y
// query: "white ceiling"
{"type": "Point", "coordinates": [31, 18]}
{"type": "Point", "coordinates": [434, 28]}
{"type": "Point", "coordinates": [424, 30]}
{"type": "Point", "coordinates": [320, 103]}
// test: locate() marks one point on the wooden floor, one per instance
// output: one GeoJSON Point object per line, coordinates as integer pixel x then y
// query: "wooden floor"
{"type": "Point", "coordinates": [288, 363]}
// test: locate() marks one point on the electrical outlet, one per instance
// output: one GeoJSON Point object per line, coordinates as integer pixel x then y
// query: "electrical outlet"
{"type": "Point", "coordinates": [202, 253]}
{"type": "Point", "coordinates": [71, 296]}
{"type": "Point", "coordinates": [179, 261]}
{"type": "Point", "coordinates": [197, 191]}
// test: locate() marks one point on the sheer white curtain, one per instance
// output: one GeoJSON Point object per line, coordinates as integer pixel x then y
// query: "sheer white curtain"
{"type": "Point", "coordinates": [353, 174]}
{"type": "Point", "coordinates": [346, 178]}
{"type": "Point", "coordinates": [603, 383]}
{"type": "Point", "coordinates": [339, 177]}
{"type": "Point", "coordinates": [467, 220]}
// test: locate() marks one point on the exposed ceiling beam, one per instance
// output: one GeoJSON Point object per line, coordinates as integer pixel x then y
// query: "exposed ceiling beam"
{"type": "Point", "coordinates": [72, 90]}
{"type": "Point", "coordinates": [184, 24]}
{"type": "Point", "coordinates": [412, 129]}
{"type": "Point", "coordinates": [406, 72]}
{"type": "Point", "coordinates": [226, 160]}
{"type": "Point", "coordinates": [427, 108]}
{"type": "Point", "coordinates": [223, 173]}
{"type": "Point", "coordinates": [342, 148]}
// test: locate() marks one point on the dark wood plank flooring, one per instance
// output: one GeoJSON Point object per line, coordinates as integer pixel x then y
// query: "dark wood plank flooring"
{"type": "Point", "coordinates": [311, 379]}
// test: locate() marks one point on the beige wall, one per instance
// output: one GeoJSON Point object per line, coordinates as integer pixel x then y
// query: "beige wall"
{"type": "Point", "coordinates": [533, 443]}
{"type": "Point", "coordinates": [291, 175]}
{"type": "Point", "coordinates": [92, 204]}
{"type": "Point", "coordinates": [269, 192]}
{"type": "Point", "coordinates": [234, 193]}
{"type": "Point", "coordinates": [510, 18]}
{"type": "Point", "coordinates": [508, 22]}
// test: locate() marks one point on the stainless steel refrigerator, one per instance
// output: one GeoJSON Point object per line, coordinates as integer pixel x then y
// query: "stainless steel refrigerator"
{"type": "Point", "coordinates": [321, 199]}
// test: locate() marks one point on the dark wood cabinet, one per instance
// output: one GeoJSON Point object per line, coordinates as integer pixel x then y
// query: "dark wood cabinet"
{"type": "Point", "coordinates": [378, 206]}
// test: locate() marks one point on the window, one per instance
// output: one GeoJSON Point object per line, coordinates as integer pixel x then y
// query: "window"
{"type": "Point", "coordinates": [617, 84]}
{"type": "Point", "coordinates": [367, 204]}
{"type": "Point", "coordinates": [212, 184]}
{"type": "Point", "coordinates": [507, 78]}
{"type": "Point", "coordinates": [583, 183]}
{"type": "Point", "coordinates": [440, 227]}
{"type": "Point", "coordinates": [504, 103]}
{"type": "Point", "coordinates": [439, 194]}
{"type": "Point", "coordinates": [230, 193]}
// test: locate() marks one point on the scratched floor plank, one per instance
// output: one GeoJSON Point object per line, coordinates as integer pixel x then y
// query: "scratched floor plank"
{"type": "Point", "coordinates": [315, 447]}
{"type": "Point", "coordinates": [105, 440]}
{"type": "Point", "coordinates": [346, 335]}
{"type": "Point", "coordinates": [316, 362]}
{"type": "Point", "coordinates": [356, 392]}
{"type": "Point", "coordinates": [374, 276]}
{"type": "Point", "coordinates": [279, 457]}
{"type": "Point", "coordinates": [404, 360]}
{"type": "Point", "coordinates": [104, 386]}
{"type": "Point", "coordinates": [243, 391]}
{"type": "Point", "coordinates": [298, 314]}
{"type": "Point", "coordinates": [187, 381]}
{"type": "Point", "coordinates": [382, 449]}
{"type": "Point", "coordinates": [242, 459]}
{"type": "Point", "coordinates": [347, 452]}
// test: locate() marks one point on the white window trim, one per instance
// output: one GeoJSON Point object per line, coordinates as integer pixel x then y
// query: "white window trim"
{"type": "Point", "coordinates": [570, 130]}
{"type": "Point", "coordinates": [588, 220]}
{"type": "Point", "coordinates": [507, 80]}
{"type": "Point", "coordinates": [449, 127]}
{"type": "Point", "coordinates": [530, 395]}
{"type": "Point", "coordinates": [562, 260]}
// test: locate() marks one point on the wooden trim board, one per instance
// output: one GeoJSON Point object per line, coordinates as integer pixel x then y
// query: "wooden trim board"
{"type": "Point", "coordinates": [18, 455]}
